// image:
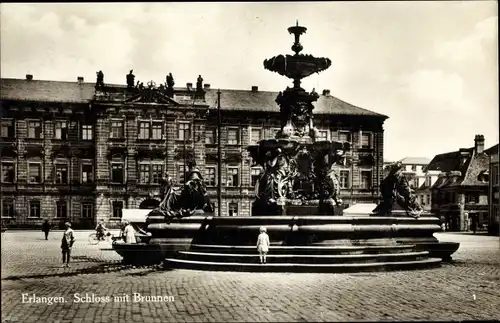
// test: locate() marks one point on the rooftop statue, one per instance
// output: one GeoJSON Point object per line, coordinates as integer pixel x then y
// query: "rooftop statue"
{"type": "Point", "coordinates": [100, 80]}
{"type": "Point", "coordinates": [199, 83]}
{"type": "Point", "coordinates": [396, 190]}
{"type": "Point", "coordinates": [170, 80]}
{"type": "Point", "coordinates": [130, 79]}
{"type": "Point", "coordinates": [170, 86]}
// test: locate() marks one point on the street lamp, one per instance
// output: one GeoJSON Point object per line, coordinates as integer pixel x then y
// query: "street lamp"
{"type": "Point", "coordinates": [219, 156]}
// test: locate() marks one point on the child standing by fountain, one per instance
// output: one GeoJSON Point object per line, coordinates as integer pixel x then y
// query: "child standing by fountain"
{"type": "Point", "coordinates": [263, 245]}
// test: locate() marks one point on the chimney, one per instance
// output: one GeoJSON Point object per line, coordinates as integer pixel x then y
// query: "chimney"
{"type": "Point", "coordinates": [206, 86]}
{"type": "Point", "coordinates": [326, 92]}
{"type": "Point", "coordinates": [478, 144]}
{"type": "Point", "coordinates": [80, 79]}
{"type": "Point", "coordinates": [29, 77]}
{"type": "Point", "coordinates": [189, 85]}
{"type": "Point", "coordinates": [255, 88]}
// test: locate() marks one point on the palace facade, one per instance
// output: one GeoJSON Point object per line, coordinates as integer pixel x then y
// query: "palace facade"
{"type": "Point", "coordinates": [71, 151]}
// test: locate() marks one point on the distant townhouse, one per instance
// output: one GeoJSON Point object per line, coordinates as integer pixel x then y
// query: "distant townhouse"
{"type": "Point", "coordinates": [460, 194]}
{"type": "Point", "coordinates": [494, 207]}
{"type": "Point", "coordinates": [414, 170]}
{"type": "Point", "coordinates": [424, 192]}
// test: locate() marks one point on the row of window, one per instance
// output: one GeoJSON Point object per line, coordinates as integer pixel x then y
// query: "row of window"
{"type": "Point", "coordinates": [34, 211]}
{"type": "Point", "coordinates": [343, 135]}
{"type": "Point", "coordinates": [35, 130]}
{"type": "Point", "coordinates": [451, 197]}
{"type": "Point", "coordinates": [151, 173]}
{"type": "Point", "coordinates": [117, 209]}
{"type": "Point", "coordinates": [148, 173]}
{"type": "Point", "coordinates": [35, 173]}
{"type": "Point", "coordinates": [413, 167]}
{"type": "Point", "coordinates": [146, 130]}
{"type": "Point", "coordinates": [233, 176]}
{"type": "Point", "coordinates": [87, 209]}
{"type": "Point", "coordinates": [154, 130]}
{"type": "Point", "coordinates": [256, 134]}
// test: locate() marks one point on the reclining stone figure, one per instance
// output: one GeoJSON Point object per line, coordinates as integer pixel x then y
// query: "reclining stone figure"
{"type": "Point", "coordinates": [186, 200]}
{"type": "Point", "coordinates": [395, 189]}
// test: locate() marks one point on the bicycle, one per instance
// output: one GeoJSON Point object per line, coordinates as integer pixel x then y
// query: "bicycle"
{"type": "Point", "coordinates": [93, 240]}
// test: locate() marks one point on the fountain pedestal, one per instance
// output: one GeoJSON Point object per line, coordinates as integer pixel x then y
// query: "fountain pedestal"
{"type": "Point", "coordinates": [300, 243]}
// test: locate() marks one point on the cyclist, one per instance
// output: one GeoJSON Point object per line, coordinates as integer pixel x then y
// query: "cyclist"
{"type": "Point", "coordinates": [100, 229]}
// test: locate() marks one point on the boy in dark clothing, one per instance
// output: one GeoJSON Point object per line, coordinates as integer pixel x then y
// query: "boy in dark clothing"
{"type": "Point", "coordinates": [474, 223]}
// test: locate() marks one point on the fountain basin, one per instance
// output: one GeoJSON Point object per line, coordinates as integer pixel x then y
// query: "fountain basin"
{"type": "Point", "coordinates": [298, 243]}
{"type": "Point", "coordinates": [297, 66]}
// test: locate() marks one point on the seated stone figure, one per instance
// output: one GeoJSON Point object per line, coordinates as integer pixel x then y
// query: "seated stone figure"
{"type": "Point", "coordinates": [327, 181]}
{"type": "Point", "coordinates": [396, 190]}
{"type": "Point", "coordinates": [274, 184]}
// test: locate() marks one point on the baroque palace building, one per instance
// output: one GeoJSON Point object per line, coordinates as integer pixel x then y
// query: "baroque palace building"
{"type": "Point", "coordinates": [81, 152]}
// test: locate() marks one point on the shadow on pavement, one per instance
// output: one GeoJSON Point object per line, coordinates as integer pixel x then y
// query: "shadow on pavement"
{"type": "Point", "coordinates": [470, 233]}
{"type": "Point", "coordinates": [86, 259]}
{"type": "Point", "coordinates": [147, 272]}
{"type": "Point", "coordinates": [470, 262]}
{"type": "Point", "coordinates": [99, 269]}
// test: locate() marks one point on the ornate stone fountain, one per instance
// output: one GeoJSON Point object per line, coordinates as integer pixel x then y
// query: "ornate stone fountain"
{"type": "Point", "coordinates": [297, 168]}
{"type": "Point", "coordinates": [298, 172]}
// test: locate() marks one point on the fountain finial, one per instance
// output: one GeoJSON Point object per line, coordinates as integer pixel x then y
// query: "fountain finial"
{"type": "Point", "coordinates": [297, 31]}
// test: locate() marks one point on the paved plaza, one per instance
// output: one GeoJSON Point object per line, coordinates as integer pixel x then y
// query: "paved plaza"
{"type": "Point", "coordinates": [95, 288]}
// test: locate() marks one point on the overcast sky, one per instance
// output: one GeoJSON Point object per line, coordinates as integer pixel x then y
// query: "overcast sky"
{"type": "Point", "coordinates": [432, 67]}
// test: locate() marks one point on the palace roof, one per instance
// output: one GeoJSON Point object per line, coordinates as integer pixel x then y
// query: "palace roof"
{"type": "Point", "coordinates": [244, 100]}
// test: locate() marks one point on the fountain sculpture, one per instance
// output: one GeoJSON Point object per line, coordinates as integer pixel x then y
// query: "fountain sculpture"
{"type": "Point", "coordinates": [298, 169]}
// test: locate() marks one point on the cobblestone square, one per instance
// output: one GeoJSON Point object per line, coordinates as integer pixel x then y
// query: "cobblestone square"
{"type": "Point", "coordinates": [467, 289]}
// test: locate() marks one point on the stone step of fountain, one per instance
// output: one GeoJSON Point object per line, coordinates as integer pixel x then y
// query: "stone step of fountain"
{"type": "Point", "coordinates": [298, 267]}
{"type": "Point", "coordinates": [309, 250]}
{"type": "Point", "coordinates": [303, 258]}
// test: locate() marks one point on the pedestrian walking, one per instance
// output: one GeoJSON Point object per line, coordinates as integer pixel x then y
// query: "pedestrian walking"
{"type": "Point", "coordinates": [263, 245]}
{"type": "Point", "coordinates": [474, 223]}
{"type": "Point", "coordinates": [67, 242]}
{"type": "Point", "coordinates": [46, 229]}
